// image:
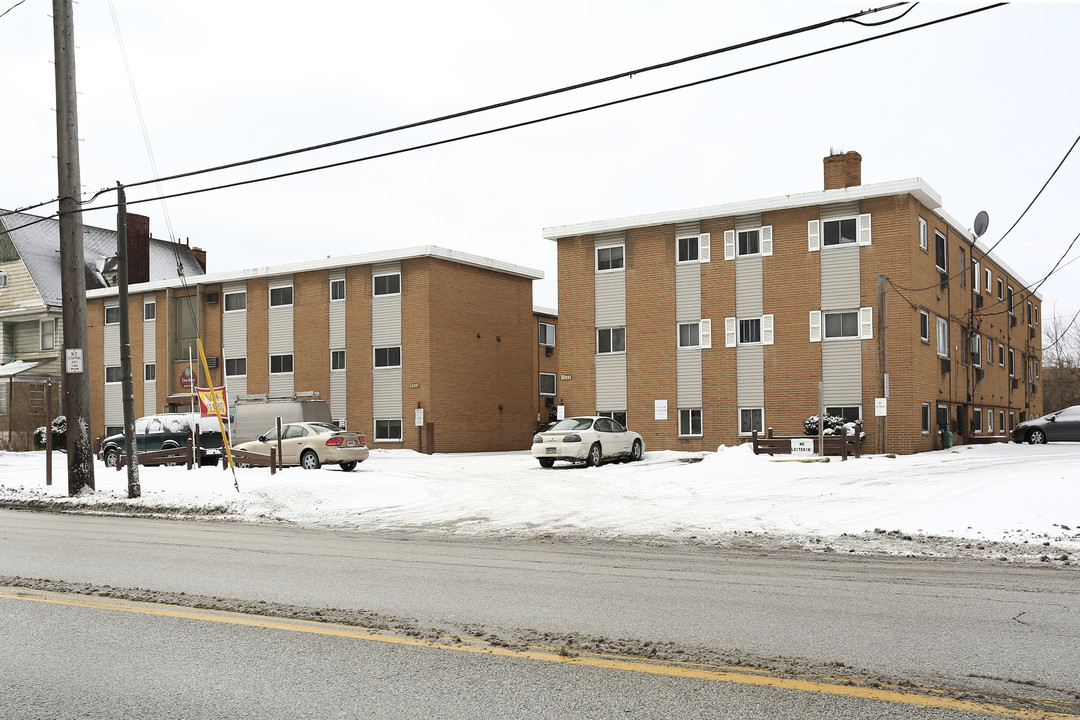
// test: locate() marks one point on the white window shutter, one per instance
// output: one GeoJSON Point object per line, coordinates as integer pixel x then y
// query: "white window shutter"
{"type": "Point", "coordinates": [705, 334]}
{"type": "Point", "coordinates": [815, 326]}
{"type": "Point", "coordinates": [766, 329]}
{"type": "Point", "coordinates": [729, 244]}
{"type": "Point", "coordinates": [766, 240]}
{"type": "Point", "coordinates": [704, 247]}
{"type": "Point", "coordinates": [729, 332]}
{"type": "Point", "coordinates": [866, 323]}
{"type": "Point", "coordinates": [864, 229]}
{"type": "Point", "coordinates": [813, 234]}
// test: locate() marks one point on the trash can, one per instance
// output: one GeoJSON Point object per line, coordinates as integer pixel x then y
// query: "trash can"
{"type": "Point", "coordinates": [946, 439]}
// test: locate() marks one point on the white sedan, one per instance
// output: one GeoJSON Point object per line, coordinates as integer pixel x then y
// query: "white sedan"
{"type": "Point", "coordinates": [587, 439]}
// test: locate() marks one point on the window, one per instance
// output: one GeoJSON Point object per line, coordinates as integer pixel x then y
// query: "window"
{"type": "Point", "coordinates": [235, 367]}
{"type": "Point", "coordinates": [1012, 421]}
{"type": "Point", "coordinates": [618, 416]}
{"type": "Point", "coordinates": [749, 242]}
{"type": "Point", "coordinates": [547, 383]}
{"type": "Point", "coordinates": [688, 249]}
{"type": "Point", "coordinates": [691, 334]}
{"type": "Point", "coordinates": [841, 324]}
{"type": "Point", "coordinates": [281, 296]}
{"type": "Point", "coordinates": [751, 419]}
{"type": "Point", "coordinates": [149, 372]}
{"type": "Point", "coordinates": [611, 340]}
{"type": "Point", "coordinates": [294, 431]}
{"type": "Point", "coordinates": [48, 334]}
{"type": "Point", "coordinates": [337, 359]}
{"type": "Point", "coordinates": [976, 350]}
{"type": "Point", "coordinates": [1012, 363]}
{"type": "Point", "coordinates": [924, 326]}
{"type": "Point", "coordinates": [690, 422]}
{"type": "Point", "coordinates": [547, 334]}
{"type": "Point", "coordinates": [337, 289]}
{"type": "Point", "coordinates": [149, 310]}
{"type": "Point", "coordinates": [963, 268]}
{"type": "Point", "coordinates": [235, 301]}
{"type": "Point", "coordinates": [1001, 289]}
{"type": "Point", "coordinates": [113, 374]}
{"type": "Point", "coordinates": [942, 417]}
{"type": "Point", "coordinates": [922, 233]}
{"type": "Point", "coordinates": [989, 277]}
{"type": "Point", "coordinates": [990, 421]}
{"type": "Point", "coordinates": [926, 418]}
{"type": "Point", "coordinates": [1036, 314]}
{"type": "Point", "coordinates": [1010, 303]}
{"type": "Point", "coordinates": [976, 420]}
{"type": "Point", "coordinates": [1001, 354]}
{"type": "Point", "coordinates": [185, 333]}
{"type": "Point", "coordinates": [387, 284]}
{"type": "Point", "coordinates": [939, 252]}
{"type": "Point", "coordinates": [609, 258]}
{"type": "Point", "coordinates": [112, 314]}
{"type": "Point", "coordinates": [976, 275]}
{"type": "Point", "coordinates": [1001, 420]}
{"type": "Point", "coordinates": [942, 337]}
{"type": "Point", "coordinates": [841, 232]}
{"type": "Point", "coordinates": [388, 357]}
{"type": "Point", "coordinates": [750, 331]}
{"type": "Point", "coordinates": [281, 364]}
{"type": "Point", "coordinates": [3, 280]}
{"type": "Point", "coordinates": [1030, 320]}
{"type": "Point", "coordinates": [387, 430]}
{"type": "Point", "coordinates": [850, 413]}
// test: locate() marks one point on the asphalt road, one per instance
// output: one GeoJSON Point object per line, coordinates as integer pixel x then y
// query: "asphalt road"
{"type": "Point", "coordinates": [1011, 630]}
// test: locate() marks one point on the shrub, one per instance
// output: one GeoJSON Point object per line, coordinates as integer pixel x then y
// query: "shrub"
{"type": "Point", "coordinates": [59, 434]}
{"type": "Point", "coordinates": [834, 425]}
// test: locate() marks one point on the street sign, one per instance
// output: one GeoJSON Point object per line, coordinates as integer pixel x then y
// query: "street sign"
{"type": "Point", "coordinates": [880, 407]}
{"type": "Point", "coordinates": [73, 361]}
{"type": "Point", "coordinates": [802, 446]}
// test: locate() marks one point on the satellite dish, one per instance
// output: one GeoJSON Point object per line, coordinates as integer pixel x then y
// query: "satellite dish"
{"type": "Point", "coordinates": [982, 221]}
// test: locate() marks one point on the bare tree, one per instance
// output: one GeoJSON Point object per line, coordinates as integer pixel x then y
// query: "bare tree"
{"type": "Point", "coordinates": [1061, 360]}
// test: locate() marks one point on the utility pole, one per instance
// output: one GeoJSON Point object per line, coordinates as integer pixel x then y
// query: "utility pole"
{"type": "Point", "coordinates": [134, 489]}
{"type": "Point", "coordinates": [72, 261]}
{"type": "Point", "coordinates": [882, 359]}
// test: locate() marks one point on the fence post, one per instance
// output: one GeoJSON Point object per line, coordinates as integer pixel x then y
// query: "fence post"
{"type": "Point", "coordinates": [273, 461]}
{"type": "Point", "coordinates": [190, 445]}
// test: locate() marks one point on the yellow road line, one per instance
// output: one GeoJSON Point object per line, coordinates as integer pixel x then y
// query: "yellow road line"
{"type": "Point", "coordinates": [640, 665]}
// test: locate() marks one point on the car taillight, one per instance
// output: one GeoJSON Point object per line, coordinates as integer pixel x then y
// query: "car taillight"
{"type": "Point", "coordinates": [362, 439]}
{"type": "Point", "coordinates": [335, 441]}
{"type": "Point", "coordinates": [571, 437]}
{"type": "Point", "coordinates": [537, 439]}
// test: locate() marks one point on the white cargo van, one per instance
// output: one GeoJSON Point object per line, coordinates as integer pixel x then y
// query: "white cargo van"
{"type": "Point", "coordinates": [255, 415]}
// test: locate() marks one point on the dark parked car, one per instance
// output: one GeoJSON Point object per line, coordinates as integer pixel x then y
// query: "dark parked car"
{"type": "Point", "coordinates": [1063, 425]}
{"type": "Point", "coordinates": [166, 431]}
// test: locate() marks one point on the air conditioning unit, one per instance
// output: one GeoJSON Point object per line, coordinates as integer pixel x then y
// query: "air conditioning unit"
{"type": "Point", "coordinates": [980, 374]}
{"type": "Point", "coordinates": [946, 364]}
{"type": "Point", "coordinates": [1015, 383]}
{"type": "Point", "coordinates": [211, 362]}
{"type": "Point", "coordinates": [1031, 333]}
{"type": "Point", "coordinates": [944, 280]}
{"type": "Point", "coordinates": [211, 298]}
{"type": "Point", "coordinates": [549, 351]}
{"type": "Point", "coordinates": [978, 301]}
{"type": "Point", "coordinates": [1034, 388]}
{"type": "Point", "coordinates": [1012, 321]}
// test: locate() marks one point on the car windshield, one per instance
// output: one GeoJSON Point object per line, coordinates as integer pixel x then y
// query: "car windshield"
{"type": "Point", "coordinates": [324, 428]}
{"type": "Point", "coordinates": [573, 424]}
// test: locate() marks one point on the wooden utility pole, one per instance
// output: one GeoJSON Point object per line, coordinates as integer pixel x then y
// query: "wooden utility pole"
{"type": "Point", "coordinates": [134, 489]}
{"type": "Point", "coordinates": [72, 261]}
{"type": "Point", "coordinates": [882, 359]}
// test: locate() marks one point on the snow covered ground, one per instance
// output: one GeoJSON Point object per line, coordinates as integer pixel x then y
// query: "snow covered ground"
{"type": "Point", "coordinates": [1017, 503]}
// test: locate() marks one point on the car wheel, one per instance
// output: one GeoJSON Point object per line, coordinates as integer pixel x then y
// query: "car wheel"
{"type": "Point", "coordinates": [593, 458]}
{"type": "Point", "coordinates": [309, 460]}
{"type": "Point", "coordinates": [111, 457]}
{"type": "Point", "coordinates": [348, 466]}
{"type": "Point", "coordinates": [169, 445]}
{"type": "Point", "coordinates": [636, 451]}
{"type": "Point", "coordinates": [1037, 437]}
{"type": "Point", "coordinates": [546, 462]}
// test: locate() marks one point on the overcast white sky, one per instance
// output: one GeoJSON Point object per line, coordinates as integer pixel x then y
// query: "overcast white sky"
{"type": "Point", "coordinates": [982, 108]}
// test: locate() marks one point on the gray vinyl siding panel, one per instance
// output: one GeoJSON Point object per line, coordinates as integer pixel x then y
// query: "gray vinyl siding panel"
{"type": "Point", "coordinates": [841, 370]}
{"type": "Point", "coordinates": [611, 299]}
{"type": "Point", "coordinates": [611, 382]}
{"type": "Point", "coordinates": [237, 386]}
{"type": "Point", "coordinates": [281, 383]}
{"type": "Point", "coordinates": [114, 404]}
{"type": "Point", "coordinates": [279, 322]}
{"type": "Point", "coordinates": [149, 397]}
{"type": "Point", "coordinates": [747, 222]}
{"type": "Point", "coordinates": [111, 351]}
{"type": "Point", "coordinates": [688, 228]}
{"type": "Point", "coordinates": [750, 372]}
{"type": "Point", "coordinates": [337, 319]}
{"type": "Point", "coordinates": [840, 277]}
{"type": "Point", "coordinates": [234, 325]}
{"type": "Point", "coordinates": [386, 320]}
{"type": "Point", "coordinates": [149, 356]}
{"type": "Point", "coordinates": [610, 238]}
{"type": "Point", "coordinates": [688, 292]}
{"type": "Point", "coordinates": [149, 339]}
{"type": "Point", "coordinates": [386, 386]}
{"type": "Point", "coordinates": [688, 366]}
{"type": "Point", "coordinates": [339, 388]}
{"type": "Point", "coordinates": [748, 287]}
{"type": "Point", "coordinates": [840, 210]}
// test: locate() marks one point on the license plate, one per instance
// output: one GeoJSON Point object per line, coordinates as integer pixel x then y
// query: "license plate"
{"type": "Point", "coordinates": [350, 443]}
{"type": "Point", "coordinates": [550, 450]}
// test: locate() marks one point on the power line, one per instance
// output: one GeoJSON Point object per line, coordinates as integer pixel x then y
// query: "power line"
{"type": "Point", "coordinates": [525, 123]}
{"type": "Point", "coordinates": [12, 8]}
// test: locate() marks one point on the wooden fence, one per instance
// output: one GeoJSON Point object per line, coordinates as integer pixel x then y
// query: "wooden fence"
{"type": "Point", "coordinates": [842, 445]}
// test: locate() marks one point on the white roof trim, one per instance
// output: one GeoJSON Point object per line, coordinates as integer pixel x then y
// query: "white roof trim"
{"type": "Point", "coordinates": [540, 310]}
{"type": "Point", "coordinates": [330, 263]}
{"type": "Point", "coordinates": [915, 186]}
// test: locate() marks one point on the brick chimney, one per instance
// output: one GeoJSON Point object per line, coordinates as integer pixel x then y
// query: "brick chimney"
{"type": "Point", "coordinates": [843, 170]}
{"type": "Point", "coordinates": [200, 255]}
{"type": "Point", "coordinates": [138, 248]}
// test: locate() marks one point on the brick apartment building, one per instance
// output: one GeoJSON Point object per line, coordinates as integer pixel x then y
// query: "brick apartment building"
{"type": "Point", "coordinates": [376, 335]}
{"type": "Point", "coordinates": [700, 326]}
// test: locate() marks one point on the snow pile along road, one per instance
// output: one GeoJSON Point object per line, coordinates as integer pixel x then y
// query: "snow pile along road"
{"type": "Point", "coordinates": [998, 501]}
